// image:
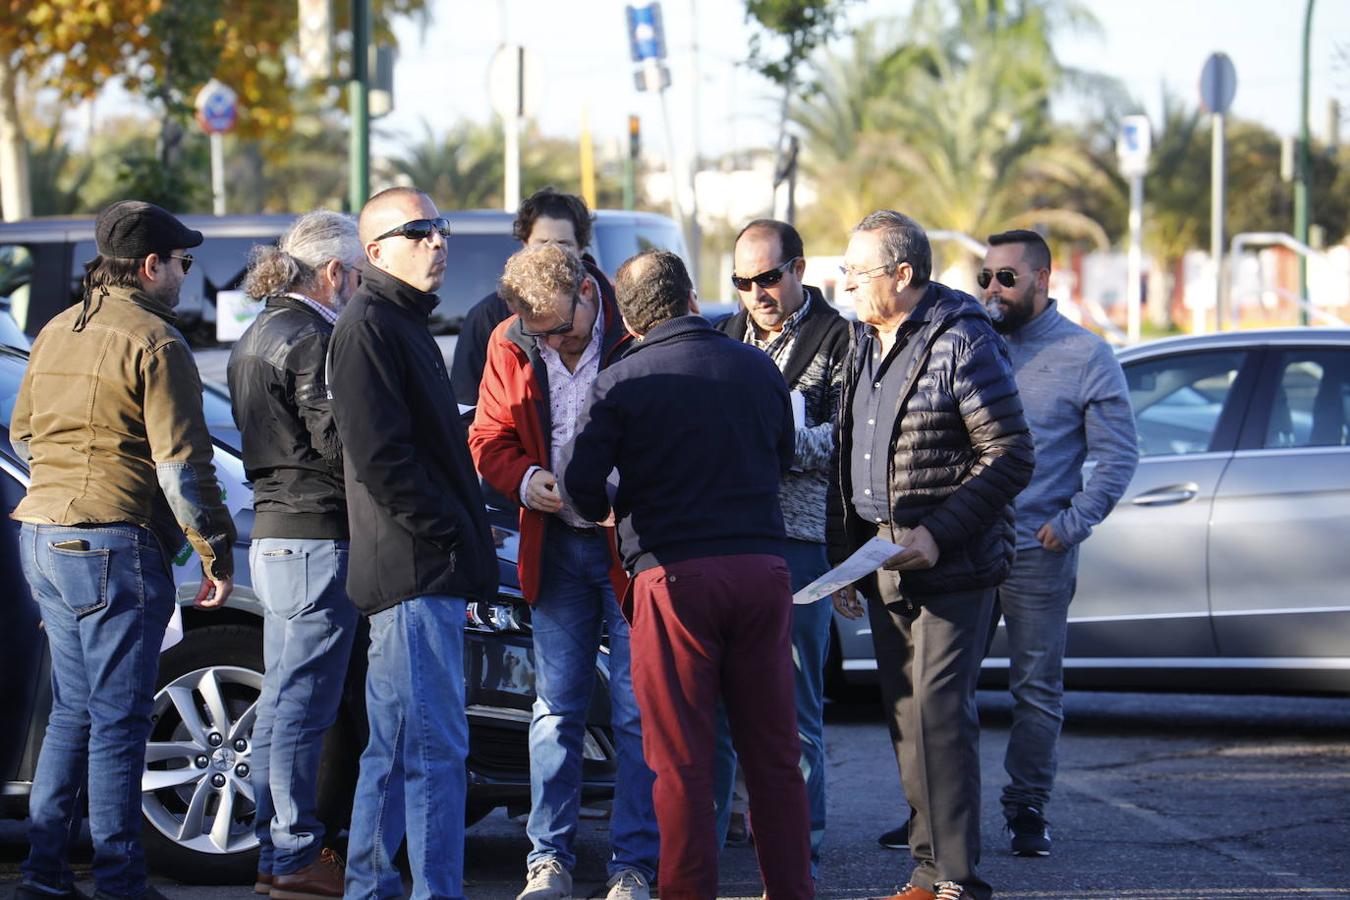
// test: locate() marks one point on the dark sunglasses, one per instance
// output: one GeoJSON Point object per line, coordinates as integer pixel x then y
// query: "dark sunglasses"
{"type": "Point", "coordinates": [419, 229]}
{"type": "Point", "coordinates": [763, 279]}
{"type": "Point", "coordinates": [186, 259]}
{"type": "Point", "coordinates": [561, 329]}
{"type": "Point", "coordinates": [1006, 277]}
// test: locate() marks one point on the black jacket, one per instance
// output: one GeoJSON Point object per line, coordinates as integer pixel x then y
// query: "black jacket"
{"type": "Point", "coordinates": [280, 400]}
{"type": "Point", "coordinates": [700, 428]}
{"type": "Point", "coordinates": [417, 517]}
{"type": "Point", "coordinates": [961, 449]}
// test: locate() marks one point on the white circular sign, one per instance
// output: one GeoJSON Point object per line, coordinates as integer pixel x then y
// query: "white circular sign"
{"type": "Point", "coordinates": [217, 107]}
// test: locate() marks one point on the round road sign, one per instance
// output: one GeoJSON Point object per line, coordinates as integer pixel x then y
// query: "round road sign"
{"type": "Point", "coordinates": [217, 108]}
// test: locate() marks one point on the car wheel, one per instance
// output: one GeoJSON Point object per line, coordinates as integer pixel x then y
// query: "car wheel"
{"type": "Point", "coordinates": [196, 796]}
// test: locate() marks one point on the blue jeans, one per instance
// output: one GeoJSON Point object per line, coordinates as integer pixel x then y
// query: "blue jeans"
{"type": "Point", "coordinates": [810, 646]}
{"type": "Point", "coordinates": [1035, 604]}
{"type": "Point", "coordinates": [106, 597]}
{"type": "Point", "coordinates": [412, 778]}
{"type": "Point", "coordinates": [575, 600]}
{"type": "Point", "coordinates": [308, 624]}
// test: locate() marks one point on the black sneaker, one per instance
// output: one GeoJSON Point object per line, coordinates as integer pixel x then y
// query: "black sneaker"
{"type": "Point", "coordinates": [1030, 834]}
{"type": "Point", "coordinates": [25, 891]}
{"type": "Point", "coordinates": [896, 838]}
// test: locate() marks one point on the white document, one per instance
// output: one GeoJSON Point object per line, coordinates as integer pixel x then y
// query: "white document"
{"type": "Point", "coordinates": [173, 634]}
{"type": "Point", "coordinates": [866, 560]}
{"type": "Point", "coordinates": [798, 409]}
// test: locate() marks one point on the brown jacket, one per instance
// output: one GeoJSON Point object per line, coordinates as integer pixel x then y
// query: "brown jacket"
{"type": "Point", "coordinates": [110, 420]}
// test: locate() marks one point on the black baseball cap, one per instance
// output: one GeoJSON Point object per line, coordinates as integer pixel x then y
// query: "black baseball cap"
{"type": "Point", "coordinates": [133, 229]}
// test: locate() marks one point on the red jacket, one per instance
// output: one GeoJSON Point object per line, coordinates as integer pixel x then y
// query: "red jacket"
{"type": "Point", "coordinates": [512, 427]}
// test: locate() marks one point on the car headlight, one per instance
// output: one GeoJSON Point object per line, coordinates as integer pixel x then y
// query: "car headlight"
{"type": "Point", "coordinates": [502, 615]}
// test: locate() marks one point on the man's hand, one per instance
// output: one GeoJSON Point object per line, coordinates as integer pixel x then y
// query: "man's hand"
{"type": "Point", "coordinates": [542, 492]}
{"type": "Point", "coordinates": [847, 603]}
{"type": "Point", "coordinates": [1049, 540]}
{"type": "Point", "coordinates": [608, 521]}
{"type": "Point", "coordinates": [213, 592]}
{"type": "Point", "coordinates": [921, 551]}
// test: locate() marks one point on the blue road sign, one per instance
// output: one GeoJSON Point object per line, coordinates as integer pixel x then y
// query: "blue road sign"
{"type": "Point", "coordinates": [646, 35]}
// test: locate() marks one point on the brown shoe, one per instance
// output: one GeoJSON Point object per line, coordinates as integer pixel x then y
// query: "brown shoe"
{"type": "Point", "coordinates": [912, 892]}
{"type": "Point", "coordinates": [262, 884]}
{"type": "Point", "coordinates": [319, 880]}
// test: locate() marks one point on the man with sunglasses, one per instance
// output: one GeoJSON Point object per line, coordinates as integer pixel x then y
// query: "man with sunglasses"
{"type": "Point", "coordinates": [1078, 406]}
{"type": "Point", "coordinates": [109, 419]}
{"type": "Point", "coordinates": [808, 341]}
{"type": "Point", "coordinates": [421, 548]}
{"type": "Point", "coordinates": [540, 367]}
{"type": "Point", "coordinates": [933, 447]}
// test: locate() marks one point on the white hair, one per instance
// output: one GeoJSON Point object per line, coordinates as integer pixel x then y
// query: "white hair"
{"type": "Point", "coordinates": [316, 238]}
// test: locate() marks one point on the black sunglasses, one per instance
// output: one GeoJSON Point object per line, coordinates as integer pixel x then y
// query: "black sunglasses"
{"type": "Point", "coordinates": [1006, 277]}
{"type": "Point", "coordinates": [185, 258]}
{"type": "Point", "coordinates": [419, 229]}
{"type": "Point", "coordinates": [763, 279]}
{"type": "Point", "coordinates": [561, 329]}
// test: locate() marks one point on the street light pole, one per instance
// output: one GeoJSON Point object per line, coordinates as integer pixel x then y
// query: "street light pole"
{"type": "Point", "coordinates": [358, 97]}
{"type": "Point", "coordinates": [1304, 173]}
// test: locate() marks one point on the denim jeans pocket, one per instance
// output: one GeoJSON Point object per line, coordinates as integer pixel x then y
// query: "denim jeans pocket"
{"type": "Point", "coordinates": [285, 581]}
{"type": "Point", "coordinates": [81, 576]}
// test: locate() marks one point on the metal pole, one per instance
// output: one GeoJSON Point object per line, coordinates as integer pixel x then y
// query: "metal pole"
{"type": "Point", "coordinates": [695, 232]}
{"type": "Point", "coordinates": [358, 104]}
{"type": "Point", "coordinates": [629, 182]}
{"type": "Point", "coordinates": [1216, 218]}
{"type": "Point", "coordinates": [1304, 165]}
{"type": "Point", "coordinates": [675, 212]}
{"type": "Point", "coordinates": [218, 174]}
{"type": "Point", "coordinates": [1135, 259]}
{"type": "Point", "coordinates": [511, 192]}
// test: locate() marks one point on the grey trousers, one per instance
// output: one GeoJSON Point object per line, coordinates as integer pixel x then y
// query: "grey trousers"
{"type": "Point", "coordinates": [928, 663]}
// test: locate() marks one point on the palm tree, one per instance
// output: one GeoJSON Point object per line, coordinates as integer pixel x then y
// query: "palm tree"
{"type": "Point", "coordinates": [951, 124]}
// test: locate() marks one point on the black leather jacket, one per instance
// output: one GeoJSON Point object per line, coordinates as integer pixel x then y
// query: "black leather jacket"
{"type": "Point", "coordinates": [292, 454]}
{"type": "Point", "coordinates": [961, 450]}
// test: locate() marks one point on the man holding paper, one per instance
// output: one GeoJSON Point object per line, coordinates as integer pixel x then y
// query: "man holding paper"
{"type": "Point", "coordinates": [808, 340]}
{"type": "Point", "coordinates": [933, 447]}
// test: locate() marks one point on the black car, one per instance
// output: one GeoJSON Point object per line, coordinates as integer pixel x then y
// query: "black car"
{"type": "Point", "coordinates": [197, 799]}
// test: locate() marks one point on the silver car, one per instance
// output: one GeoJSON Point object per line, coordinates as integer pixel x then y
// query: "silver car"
{"type": "Point", "coordinates": [1226, 565]}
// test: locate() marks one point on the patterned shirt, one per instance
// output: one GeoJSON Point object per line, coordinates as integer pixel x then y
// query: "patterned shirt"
{"type": "Point", "coordinates": [329, 314]}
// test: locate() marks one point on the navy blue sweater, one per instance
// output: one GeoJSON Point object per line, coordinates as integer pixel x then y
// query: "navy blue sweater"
{"type": "Point", "coordinates": [700, 429]}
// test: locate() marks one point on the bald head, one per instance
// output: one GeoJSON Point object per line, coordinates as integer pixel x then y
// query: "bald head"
{"type": "Point", "coordinates": [652, 288]}
{"type": "Point", "coordinates": [419, 263]}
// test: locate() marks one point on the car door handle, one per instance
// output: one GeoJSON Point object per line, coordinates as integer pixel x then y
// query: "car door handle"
{"type": "Point", "coordinates": [1167, 496]}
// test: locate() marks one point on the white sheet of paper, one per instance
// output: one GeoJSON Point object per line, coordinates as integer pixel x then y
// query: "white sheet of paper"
{"type": "Point", "coordinates": [798, 409]}
{"type": "Point", "coordinates": [173, 634]}
{"type": "Point", "coordinates": [866, 560]}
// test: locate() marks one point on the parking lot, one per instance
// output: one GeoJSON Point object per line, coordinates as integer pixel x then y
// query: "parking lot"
{"type": "Point", "coordinates": [1160, 796]}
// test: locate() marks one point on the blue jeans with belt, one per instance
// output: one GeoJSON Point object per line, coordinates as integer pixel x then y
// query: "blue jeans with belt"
{"type": "Point", "coordinates": [1035, 603]}
{"type": "Point", "coordinates": [308, 625]}
{"type": "Point", "coordinates": [575, 600]}
{"type": "Point", "coordinates": [810, 646]}
{"type": "Point", "coordinates": [106, 597]}
{"type": "Point", "coordinates": [413, 778]}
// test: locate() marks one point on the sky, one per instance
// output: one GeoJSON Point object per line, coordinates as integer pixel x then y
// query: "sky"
{"type": "Point", "coordinates": [580, 48]}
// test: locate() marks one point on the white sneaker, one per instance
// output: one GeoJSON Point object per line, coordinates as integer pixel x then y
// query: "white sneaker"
{"type": "Point", "coordinates": [547, 880]}
{"type": "Point", "coordinates": [628, 885]}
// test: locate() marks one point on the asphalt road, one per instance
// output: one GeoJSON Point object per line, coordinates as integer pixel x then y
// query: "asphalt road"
{"type": "Point", "coordinates": [1159, 797]}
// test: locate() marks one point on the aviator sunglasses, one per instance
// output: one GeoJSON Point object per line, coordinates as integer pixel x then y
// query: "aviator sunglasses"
{"type": "Point", "coordinates": [1006, 277]}
{"type": "Point", "coordinates": [184, 258]}
{"type": "Point", "coordinates": [763, 279]}
{"type": "Point", "coordinates": [419, 229]}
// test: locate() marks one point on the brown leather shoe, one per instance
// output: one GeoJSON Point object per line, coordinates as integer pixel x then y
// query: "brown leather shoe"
{"type": "Point", "coordinates": [912, 892]}
{"type": "Point", "coordinates": [319, 880]}
{"type": "Point", "coordinates": [262, 884]}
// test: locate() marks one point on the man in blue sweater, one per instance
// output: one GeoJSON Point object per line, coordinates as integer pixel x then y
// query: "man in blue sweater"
{"type": "Point", "coordinates": [709, 605]}
{"type": "Point", "coordinates": [1078, 407]}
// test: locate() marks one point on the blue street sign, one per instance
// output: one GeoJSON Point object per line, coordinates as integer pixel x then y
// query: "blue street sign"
{"type": "Point", "coordinates": [646, 35]}
{"type": "Point", "coordinates": [217, 107]}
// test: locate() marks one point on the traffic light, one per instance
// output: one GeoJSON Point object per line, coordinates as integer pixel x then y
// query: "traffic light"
{"type": "Point", "coordinates": [634, 137]}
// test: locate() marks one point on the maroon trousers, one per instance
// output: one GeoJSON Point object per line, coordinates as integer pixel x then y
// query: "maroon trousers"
{"type": "Point", "coordinates": [701, 628]}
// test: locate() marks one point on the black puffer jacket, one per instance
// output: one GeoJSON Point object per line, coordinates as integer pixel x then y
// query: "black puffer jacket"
{"type": "Point", "coordinates": [291, 450]}
{"type": "Point", "coordinates": [417, 517]}
{"type": "Point", "coordinates": [961, 449]}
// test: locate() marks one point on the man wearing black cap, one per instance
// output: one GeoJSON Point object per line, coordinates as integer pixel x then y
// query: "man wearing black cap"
{"type": "Point", "coordinates": [109, 419]}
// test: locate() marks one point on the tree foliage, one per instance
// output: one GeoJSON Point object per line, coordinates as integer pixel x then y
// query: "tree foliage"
{"type": "Point", "coordinates": [794, 28]}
